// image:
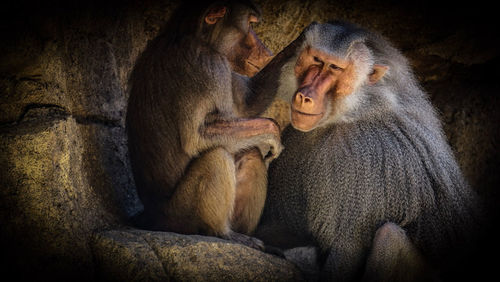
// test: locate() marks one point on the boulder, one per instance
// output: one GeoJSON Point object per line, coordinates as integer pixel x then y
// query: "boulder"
{"type": "Point", "coordinates": [138, 255]}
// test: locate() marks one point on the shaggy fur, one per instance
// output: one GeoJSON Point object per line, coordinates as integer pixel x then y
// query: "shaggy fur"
{"type": "Point", "coordinates": [381, 156]}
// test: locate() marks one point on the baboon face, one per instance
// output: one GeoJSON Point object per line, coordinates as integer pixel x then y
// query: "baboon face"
{"type": "Point", "coordinates": [244, 50]}
{"type": "Point", "coordinates": [318, 75]}
{"type": "Point", "coordinates": [323, 78]}
{"type": "Point", "coordinates": [249, 54]}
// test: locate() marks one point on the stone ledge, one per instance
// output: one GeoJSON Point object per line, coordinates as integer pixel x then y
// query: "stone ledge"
{"type": "Point", "coordinates": [139, 255]}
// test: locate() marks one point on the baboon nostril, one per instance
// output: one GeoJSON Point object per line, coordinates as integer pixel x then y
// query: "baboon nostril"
{"type": "Point", "coordinates": [299, 97]}
{"type": "Point", "coordinates": [302, 101]}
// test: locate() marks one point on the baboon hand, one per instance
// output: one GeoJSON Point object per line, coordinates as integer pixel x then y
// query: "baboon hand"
{"type": "Point", "coordinates": [274, 151]}
{"type": "Point", "coordinates": [246, 240]}
{"type": "Point", "coordinates": [271, 149]}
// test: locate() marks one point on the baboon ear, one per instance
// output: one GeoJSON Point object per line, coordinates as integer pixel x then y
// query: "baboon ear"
{"type": "Point", "coordinates": [215, 14]}
{"type": "Point", "coordinates": [377, 73]}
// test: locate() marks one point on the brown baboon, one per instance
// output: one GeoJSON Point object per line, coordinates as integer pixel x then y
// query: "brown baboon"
{"type": "Point", "coordinates": [198, 155]}
{"type": "Point", "coordinates": [365, 152]}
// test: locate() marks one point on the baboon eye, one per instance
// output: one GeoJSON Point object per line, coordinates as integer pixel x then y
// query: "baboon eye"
{"type": "Point", "coordinates": [317, 60]}
{"type": "Point", "coordinates": [335, 67]}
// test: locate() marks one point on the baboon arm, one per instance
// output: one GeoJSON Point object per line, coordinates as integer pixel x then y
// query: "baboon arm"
{"type": "Point", "coordinates": [232, 134]}
{"type": "Point", "coordinates": [253, 96]}
{"type": "Point", "coordinates": [191, 140]}
{"type": "Point", "coordinates": [240, 134]}
{"type": "Point", "coordinates": [242, 128]}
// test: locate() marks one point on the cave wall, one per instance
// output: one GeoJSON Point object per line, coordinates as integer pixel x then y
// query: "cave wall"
{"type": "Point", "coordinates": [63, 91]}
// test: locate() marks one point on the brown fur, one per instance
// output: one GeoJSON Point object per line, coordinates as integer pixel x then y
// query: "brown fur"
{"type": "Point", "coordinates": [198, 152]}
{"type": "Point", "coordinates": [192, 136]}
{"type": "Point", "coordinates": [212, 201]}
{"type": "Point", "coordinates": [251, 189]}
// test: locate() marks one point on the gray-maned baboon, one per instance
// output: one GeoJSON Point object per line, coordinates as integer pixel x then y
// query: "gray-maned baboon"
{"type": "Point", "coordinates": [366, 173]}
{"type": "Point", "coordinates": [198, 156]}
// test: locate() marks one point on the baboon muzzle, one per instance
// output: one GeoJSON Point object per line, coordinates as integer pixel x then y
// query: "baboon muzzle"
{"type": "Point", "coordinates": [305, 101]}
{"type": "Point", "coordinates": [306, 111]}
{"type": "Point", "coordinates": [260, 54]}
{"type": "Point", "coordinates": [308, 104]}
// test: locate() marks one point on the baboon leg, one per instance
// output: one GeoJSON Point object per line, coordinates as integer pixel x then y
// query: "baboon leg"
{"type": "Point", "coordinates": [251, 188]}
{"type": "Point", "coordinates": [204, 199]}
{"type": "Point", "coordinates": [393, 257]}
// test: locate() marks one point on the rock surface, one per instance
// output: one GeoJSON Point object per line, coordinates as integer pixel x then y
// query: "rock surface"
{"type": "Point", "coordinates": [121, 255]}
{"type": "Point", "coordinates": [65, 173]}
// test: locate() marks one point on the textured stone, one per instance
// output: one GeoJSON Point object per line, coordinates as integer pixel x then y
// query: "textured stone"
{"type": "Point", "coordinates": [48, 205]}
{"type": "Point", "coordinates": [121, 255]}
